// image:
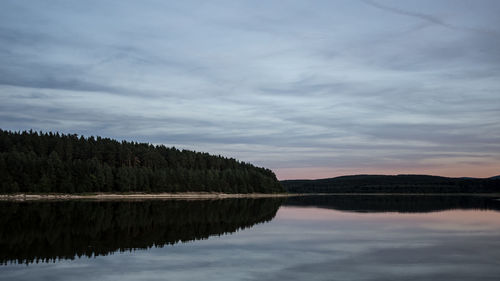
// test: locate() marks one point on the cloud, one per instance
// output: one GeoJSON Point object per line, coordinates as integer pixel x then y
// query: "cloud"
{"type": "Point", "coordinates": [429, 18]}
{"type": "Point", "coordinates": [345, 87]}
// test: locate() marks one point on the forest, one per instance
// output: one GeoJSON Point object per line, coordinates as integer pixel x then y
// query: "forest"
{"type": "Point", "coordinates": [41, 162]}
{"type": "Point", "coordinates": [394, 184]}
{"type": "Point", "coordinates": [49, 231]}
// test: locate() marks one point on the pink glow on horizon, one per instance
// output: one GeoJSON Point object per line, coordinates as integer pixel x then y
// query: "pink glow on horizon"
{"type": "Point", "coordinates": [444, 219]}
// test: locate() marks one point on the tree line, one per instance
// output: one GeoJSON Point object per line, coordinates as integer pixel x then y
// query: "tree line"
{"type": "Point", "coordinates": [394, 184]}
{"type": "Point", "coordinates": [41, 162]}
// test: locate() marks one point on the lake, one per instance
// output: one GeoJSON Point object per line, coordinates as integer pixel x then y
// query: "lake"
{"type": "Point", "coordinates": [299, 238]}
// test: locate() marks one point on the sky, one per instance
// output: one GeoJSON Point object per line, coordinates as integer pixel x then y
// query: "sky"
{"type": "Point", "coordinates": [309, 89]}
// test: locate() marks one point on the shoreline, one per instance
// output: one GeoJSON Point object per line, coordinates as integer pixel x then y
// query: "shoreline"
{"type": "Point", "coordinates": [202, 195]}
{"type": "Point", "coordinates": [401, 194]}
{"type": "Point", "coordinates": [141, 196]}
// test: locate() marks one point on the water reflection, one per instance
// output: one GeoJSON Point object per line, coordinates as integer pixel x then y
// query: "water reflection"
{"type": "Point", "coordinates": [397, 203]}
{"type": "Point", "coordinates": [329, 244]}
{"type": "Point", "coordinates": [346, 238]}
{"type": "Point", "coordinates": [47, 231]}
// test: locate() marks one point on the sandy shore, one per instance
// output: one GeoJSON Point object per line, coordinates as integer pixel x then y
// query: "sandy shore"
{"type": "Point", "coordinates": [117, 196]}
{"type": "Point", "coordinates": [204, 195]}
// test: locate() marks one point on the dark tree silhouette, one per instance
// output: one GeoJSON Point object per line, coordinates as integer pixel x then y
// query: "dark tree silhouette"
{"type": "Point", "coordinates": [394, 184]}
{"type": "Point", "coordinates": [48, 162]}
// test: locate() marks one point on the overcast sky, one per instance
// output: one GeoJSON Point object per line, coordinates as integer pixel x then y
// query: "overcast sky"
{"type": "Point", "coordinates": [309, 89]}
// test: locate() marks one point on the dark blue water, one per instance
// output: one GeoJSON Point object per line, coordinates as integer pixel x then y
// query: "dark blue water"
{"type": "Point", "coordinates": [340, 238]}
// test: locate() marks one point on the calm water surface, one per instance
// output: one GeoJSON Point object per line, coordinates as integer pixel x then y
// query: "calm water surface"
{"type": "Point", "coordinates": [307, 238]}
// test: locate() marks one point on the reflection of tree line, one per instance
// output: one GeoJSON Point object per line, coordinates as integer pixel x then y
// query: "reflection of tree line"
{"type": "Point", "coordinates": [394, 203]}
{"type": "Point", "coordinates": [46, 231]}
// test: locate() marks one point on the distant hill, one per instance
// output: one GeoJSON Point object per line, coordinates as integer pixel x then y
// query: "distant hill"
{"type": "Point", "coordinates": [51, 162]}
{"type": "Point", "coordinates": [393, 184]}
{"type": "Point", "coordinates": [495, 177]}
